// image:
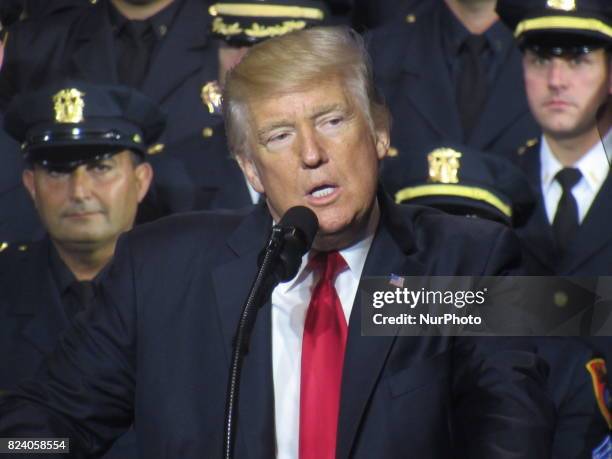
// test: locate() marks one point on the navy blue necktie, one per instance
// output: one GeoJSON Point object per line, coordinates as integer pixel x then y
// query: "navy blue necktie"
{"type": "Point", "coordinates": [471, 83]}
{"type": "Point", "coordinates": [565, 223]}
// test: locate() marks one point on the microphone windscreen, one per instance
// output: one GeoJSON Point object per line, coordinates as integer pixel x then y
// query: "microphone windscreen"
{"type": "Point", "coordinates": [303, 219]}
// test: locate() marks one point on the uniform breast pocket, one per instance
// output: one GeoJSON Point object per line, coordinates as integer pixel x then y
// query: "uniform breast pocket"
{"type": "Point", "coordinates": [429, 372]}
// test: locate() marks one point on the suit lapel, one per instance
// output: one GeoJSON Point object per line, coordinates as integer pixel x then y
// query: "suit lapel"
{"type": "Point", "coordinates": [366, 357]}
{"type": "Point", "coordinates": [590, 236]}
{"type": "Point", "coordinates": [93, 55]}
{"type": "Point", "coordinates": [422, 66]}
{"type": "Point", "coordinates": [536, 236]}
{"type": "Point", "coordinates": [182, 50]}
{"type": "Point", "coordinates": [232, 283]}
{"type": "Point", "coordinates": [37, 296]}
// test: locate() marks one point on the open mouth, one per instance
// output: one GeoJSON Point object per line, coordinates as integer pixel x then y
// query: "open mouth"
{"type": "Point", "coordinates": [322, 194]}
{"type": "Point", "coordinates": [322, 191]}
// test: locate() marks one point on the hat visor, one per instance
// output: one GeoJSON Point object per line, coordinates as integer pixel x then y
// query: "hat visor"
{"type": "Point", "coordinates": [72, 153]}
{"type": "Point", "coordinates": [463, 207]}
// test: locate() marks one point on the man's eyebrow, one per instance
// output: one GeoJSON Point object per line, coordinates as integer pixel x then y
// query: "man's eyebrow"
{"type": "Point", "coordinates": [324, 110]}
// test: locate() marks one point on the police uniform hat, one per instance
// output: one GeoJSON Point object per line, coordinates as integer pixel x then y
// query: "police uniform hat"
{"type": "Point", "coordinates": [243, 22]}
{"type": "Point", "coordinates": [72, 122]}
{"type": "Point", "coordinates": [461, 181]}
{"type": "Point", "coordinates": [560, 23]}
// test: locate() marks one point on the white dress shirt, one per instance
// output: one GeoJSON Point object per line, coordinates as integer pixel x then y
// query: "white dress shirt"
{"type": "Point", "coordinates": [594, 167]}
{"type": "Point", "coordinates": [290, 302]}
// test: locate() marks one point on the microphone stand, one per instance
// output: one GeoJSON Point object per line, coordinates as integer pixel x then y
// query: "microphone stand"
{"type": "Point", "coordinates": [260, 290]}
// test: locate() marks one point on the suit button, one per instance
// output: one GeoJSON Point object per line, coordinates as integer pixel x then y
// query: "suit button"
{"type": "Point", "coordinates": [560, 299]}
{"type": "Point", "coordinates": [207, 132]}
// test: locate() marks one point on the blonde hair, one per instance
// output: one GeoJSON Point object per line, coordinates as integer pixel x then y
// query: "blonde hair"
{"type": "Point", "coordinates": [294, 61]}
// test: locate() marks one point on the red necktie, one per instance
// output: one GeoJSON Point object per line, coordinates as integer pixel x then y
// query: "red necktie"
{"type": "Point", "coordinates": [323, 347]}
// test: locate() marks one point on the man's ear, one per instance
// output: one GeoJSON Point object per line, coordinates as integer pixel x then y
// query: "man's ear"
{"type": "Point", "coordinates": [144, 177]}
{"type": "Point", "coordinates": [249, 169]}
{"type": "Point", "coordinates": [27, 177]}
{"type": "Point", "coordinates": [382, 143]}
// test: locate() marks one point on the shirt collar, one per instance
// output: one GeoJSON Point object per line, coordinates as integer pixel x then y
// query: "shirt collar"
{"type": "Point", "coordinates": [355, 255]}
{"type": "Point", "coordinates": [593, 166]}
{"type": "Point", "coordinates": [117, 20]}
{"type": "Point", "coordinates": [454, 32]}
{"type": "Point", "coordinates": [500, 38]}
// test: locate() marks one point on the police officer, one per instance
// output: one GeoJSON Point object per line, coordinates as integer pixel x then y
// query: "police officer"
{"type": "Point", "coordinates": [237, 25]}
{"type": "Point", "coordinates": [566, 65]}
{"type": "Point", "coordinates": [464, 181]}
{"type": "Point", "coordinates": [84, 147]}
{"type": "Point", "coordinates": [451, 74]}
{"type": "Point", "coordinates": [99, 43]}
{"type": "Point", "coordinates": [567, 55]}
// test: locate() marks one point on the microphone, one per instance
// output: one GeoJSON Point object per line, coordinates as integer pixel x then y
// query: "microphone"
{"type": "Point", "coordinates": [279, 261]}
{"type": "Point", "coordinates": [295, 233]}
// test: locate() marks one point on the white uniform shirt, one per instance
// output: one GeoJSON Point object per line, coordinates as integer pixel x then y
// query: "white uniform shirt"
{"type": "Point", "coordinates": [594, 167]}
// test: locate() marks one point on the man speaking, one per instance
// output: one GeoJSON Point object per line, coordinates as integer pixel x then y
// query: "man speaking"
{"type": "Point", "coordinates": [307, 128]}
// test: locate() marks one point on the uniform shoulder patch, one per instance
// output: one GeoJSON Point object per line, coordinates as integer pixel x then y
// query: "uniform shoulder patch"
{"type": "Point", "coordinates": [604, 449]}
{"type": "Point", "coordinates": [599, 376]}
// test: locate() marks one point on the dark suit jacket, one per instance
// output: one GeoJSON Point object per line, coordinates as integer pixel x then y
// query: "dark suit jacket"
{"type": "Point", "coordinates": [590, 254]}
{"type": "Point", "coordinates": [78, 43]}
{"type": "Point", "coordinates": [32, 320]}
{"type": "Point", "coordinates": [411, 73]}
{"type": "Point", "coordinates": [158, 346]}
